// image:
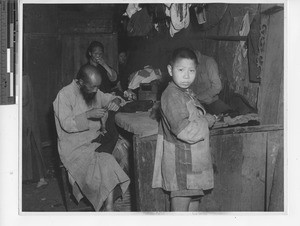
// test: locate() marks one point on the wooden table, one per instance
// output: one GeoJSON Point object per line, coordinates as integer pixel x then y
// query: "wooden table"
{"type": "Point", "coordinates": [244, 160]}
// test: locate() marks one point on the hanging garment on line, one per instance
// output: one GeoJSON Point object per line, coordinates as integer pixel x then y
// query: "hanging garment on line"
{"type": "Point", "coordinates": [140, 23]}
{"type": "Point", "coordinates": [180, 17]}
{"type": "Point", "coordinates": [132, 9]}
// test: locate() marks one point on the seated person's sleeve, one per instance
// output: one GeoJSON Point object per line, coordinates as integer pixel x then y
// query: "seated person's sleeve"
{"type": "Point", "coordinates": [215, 81]}
{"type": "Point", "coordinates": [107, 97]}
{"type": "Point", "coordinates": [215, 85]}
{"type": "Point", "coordinates": [69, 122]}
{"type": "Point", "coordinates": [190, 131]}
{"type": "Point", "coordinates": [112, 74]}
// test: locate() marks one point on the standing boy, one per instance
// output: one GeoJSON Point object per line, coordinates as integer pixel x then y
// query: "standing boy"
{"type": "Point", "coordinates": [183, 164]}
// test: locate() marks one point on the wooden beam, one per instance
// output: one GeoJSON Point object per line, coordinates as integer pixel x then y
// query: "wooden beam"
{"type": "Point", "coordinates": [245, 129]}
{"type": "Point", "coordinates": [227, 38]}
{"type": "Point", "coordinates": [272, 10]}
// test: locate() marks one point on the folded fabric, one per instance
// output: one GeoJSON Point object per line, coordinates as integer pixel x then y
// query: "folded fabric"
{"type": "Point", "coordinates": [145, 75]}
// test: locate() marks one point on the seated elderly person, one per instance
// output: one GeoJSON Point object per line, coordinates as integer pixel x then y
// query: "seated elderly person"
{"type": "Point", "coordinates": [207, 85]}
{"type": "Point", "coordinates": [78, 109]}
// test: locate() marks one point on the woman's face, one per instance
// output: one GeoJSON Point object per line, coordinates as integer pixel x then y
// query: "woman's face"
{"type": "Point", "coordinates": [122, 58]}
{"type": "Point", "coordinates": [183, 72]}
{"type": "Point", "coordinates": [96, 54]}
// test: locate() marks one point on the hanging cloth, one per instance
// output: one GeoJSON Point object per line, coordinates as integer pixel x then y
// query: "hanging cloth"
{"type": "Point", "coordinates": [140, 24]}
{"type": "Point", "coordinates": [180, 17]}
{"type": "Point", "coordinates": [132, 9]}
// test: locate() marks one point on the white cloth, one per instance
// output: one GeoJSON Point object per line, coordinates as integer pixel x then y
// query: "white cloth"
{"type": "Point", "coordinates": [138, 79]}
{"type": "Point", "coordinates": [180, 17]}
{"type": "Point", "coordinates": [132, 9]}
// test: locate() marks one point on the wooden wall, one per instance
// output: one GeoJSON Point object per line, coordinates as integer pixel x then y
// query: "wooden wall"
{"type": "Point", "coordinates": [42, 61]}
{"type": "Point", "coordinates": [271, 91]}
{"type": "Point", "coordinates": [55, 46]}
{"type": "Point", "coordinates": [244, 166]}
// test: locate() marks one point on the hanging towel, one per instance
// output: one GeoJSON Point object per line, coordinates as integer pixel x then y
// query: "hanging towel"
{"type": "Point", "coordinates": [180, 17]}
{"type": "Point", "coordinates": [132, 9]}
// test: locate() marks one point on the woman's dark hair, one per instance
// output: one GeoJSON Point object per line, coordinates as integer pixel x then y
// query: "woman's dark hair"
{"type": "Point", "coordinates": [184, 53]}
{"type": "Point", "coordinates": [92, 45]}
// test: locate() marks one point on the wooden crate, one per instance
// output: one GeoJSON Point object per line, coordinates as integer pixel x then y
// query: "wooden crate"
{"type": "Point", "coordinates": [244, 161]}
{"type": "Point", "coordinates": [148, 199]}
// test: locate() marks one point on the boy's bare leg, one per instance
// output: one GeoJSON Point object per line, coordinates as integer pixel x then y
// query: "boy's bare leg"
{"type": "Point", "coordinates": [180, 203]}
{"type": "Point", "coordinates": [109, 205]}
{"type": "Point", "coordinates": [194, 206]}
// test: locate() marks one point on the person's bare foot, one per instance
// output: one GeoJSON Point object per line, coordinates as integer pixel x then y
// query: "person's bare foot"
{"type": "Point", "coordinates": [42, 182]}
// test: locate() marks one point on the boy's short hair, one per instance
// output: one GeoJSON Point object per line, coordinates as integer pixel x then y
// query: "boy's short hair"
{"type": "Point", "coordinates": [184, 53]}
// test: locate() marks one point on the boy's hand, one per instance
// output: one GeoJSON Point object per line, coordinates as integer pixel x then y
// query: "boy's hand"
{"type": "Point", "coordinates": [114, 105]}
{"type": "Point", "coordinates": [95, 113]}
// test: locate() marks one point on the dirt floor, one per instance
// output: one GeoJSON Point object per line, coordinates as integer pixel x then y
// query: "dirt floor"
{"type": "Point", "coordinates": [49, 198]}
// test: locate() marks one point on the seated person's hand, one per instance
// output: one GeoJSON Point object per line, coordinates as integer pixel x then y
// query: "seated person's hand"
{"type": "Point", "coordinates": [114, 105]}
{"type": "Point", "coordinates": [101, 61]}
{"type": "Point", "coordinates": [96, 113]}
{"type": "Point", "coordinates": [211, 119]}
{"type": "Point", "coordinates": [130, 94]}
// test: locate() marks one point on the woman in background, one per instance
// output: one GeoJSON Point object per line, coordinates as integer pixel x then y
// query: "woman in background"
{"type": "Point", "coordinates": [95, 53]}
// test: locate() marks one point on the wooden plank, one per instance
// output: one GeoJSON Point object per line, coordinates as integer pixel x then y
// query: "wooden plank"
{"type": "Point", "coordinates": [227, 161]}
{"type": "Point", "coordinates": [253, 172]}
{"type": "Point", "coordinates": [239, 171]}
{"type": "Point", "coordinates": [273, 10]}
{"type": "Point", "coordinates": [78, 53]}
{"type": "Point", "coordinates": [148, 199]}
{"type": "Point", "coordinates": [277, 192]}
{"type": "Point", "coordinates": [274, 144]}
{"type": "Point", "coordinates": [67, 71]}
{"type": "Point", "coordinates": [41, 18]}
{"type": "Point", "coordinates": [245, 129]}
{"type": "Point", "coordinates": [272, 71]}
{"type": "Point", "coordinates": [280, 116]}
{"type": "Point", "coordinates": [44, 72]}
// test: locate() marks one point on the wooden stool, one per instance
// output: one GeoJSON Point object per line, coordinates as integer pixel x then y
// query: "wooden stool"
{"type": "Point", "coordinates": [63, 183]}
{"type": "Point", "coordinates": [65, 191]}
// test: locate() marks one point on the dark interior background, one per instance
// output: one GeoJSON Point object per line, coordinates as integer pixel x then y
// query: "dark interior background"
{"type": "Point", "coordinates": [56, 37]}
